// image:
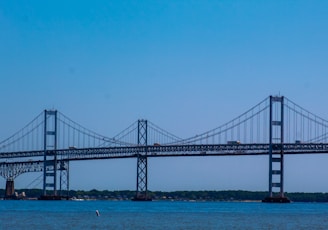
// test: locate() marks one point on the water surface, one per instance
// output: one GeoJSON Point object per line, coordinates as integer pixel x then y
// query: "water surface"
{"type": "Point", "coordinates": [161, 215]}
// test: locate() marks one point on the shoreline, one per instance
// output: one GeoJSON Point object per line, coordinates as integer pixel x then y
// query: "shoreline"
{"type": "Point", "coordinates": [190, 196]}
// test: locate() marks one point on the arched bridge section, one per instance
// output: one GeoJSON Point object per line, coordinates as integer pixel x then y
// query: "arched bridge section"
{"type": "Point", "coordinates": [274, 127]}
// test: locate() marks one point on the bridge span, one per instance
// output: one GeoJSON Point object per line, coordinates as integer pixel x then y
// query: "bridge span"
{"type": "Point", "coordinates": [172, 151]}
{"type": "Point", "coordinates": [274, 127]}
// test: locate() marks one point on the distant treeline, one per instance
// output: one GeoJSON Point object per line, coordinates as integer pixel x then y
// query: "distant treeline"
{"type": "Point", "coordinates": [230, 195]}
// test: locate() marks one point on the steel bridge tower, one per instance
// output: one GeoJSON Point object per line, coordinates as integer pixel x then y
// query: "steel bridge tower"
{"type": "Point", "coordinates": [141, 190]}
{"type": "Point", "coordinates": [50, 160]}
{"type": "Point", "coordinates": [276, 151]}
{"type": "Point", "coordinates": [50, 154]}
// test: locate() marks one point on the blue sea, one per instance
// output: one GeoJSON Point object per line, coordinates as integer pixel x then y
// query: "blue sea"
{"type": "Point", "coordinates": [33, 215]}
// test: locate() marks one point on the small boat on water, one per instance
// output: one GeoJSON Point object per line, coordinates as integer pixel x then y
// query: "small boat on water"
{"type": "Point", "coordinates": [76, 199]}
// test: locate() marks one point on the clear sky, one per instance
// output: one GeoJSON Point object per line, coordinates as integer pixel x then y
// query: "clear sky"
{"type": "Point", "coordinates": [187, 66]}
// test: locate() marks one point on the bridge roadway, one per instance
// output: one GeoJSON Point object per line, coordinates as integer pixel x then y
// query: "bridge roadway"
{"type": "Point", "coordinates": [72, 154]}
{"type": "Point", "coordinates": [33, 163]}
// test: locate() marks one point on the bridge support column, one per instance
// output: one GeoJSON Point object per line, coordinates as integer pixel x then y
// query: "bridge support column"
{"type": "Point", "coordinates": [142, 185]}
{"type": "Point", "coordinates": [141, 191]}
{"type": "Point", "coordinates": [10, 189]}
{"type": "Point", "coordinates": [50, 156]}
{"type": "Point", "coordinates": [64, 179]}
{"type": "Point", "coordinates": [276, 152]}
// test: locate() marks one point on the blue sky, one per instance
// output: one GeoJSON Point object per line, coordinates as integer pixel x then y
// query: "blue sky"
{"type": "Point", "coordinates": [187, 66]}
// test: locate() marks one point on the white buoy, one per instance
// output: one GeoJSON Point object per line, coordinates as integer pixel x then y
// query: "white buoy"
{"type": "Point", "coordinates": [97, 213]}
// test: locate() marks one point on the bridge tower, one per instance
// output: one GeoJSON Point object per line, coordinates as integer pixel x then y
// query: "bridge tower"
{"type": "Point", "coordinates": [50, 155]}
{"type": "Point", "coordinates": [141, 190]}
{"type": "Point", "coordinates": [276, 151]}
{"type": "Point", "coordinates": [51, 164]}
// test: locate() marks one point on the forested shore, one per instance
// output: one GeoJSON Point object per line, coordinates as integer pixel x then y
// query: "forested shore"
{"type": "Point", "coordinates": [229, 195]}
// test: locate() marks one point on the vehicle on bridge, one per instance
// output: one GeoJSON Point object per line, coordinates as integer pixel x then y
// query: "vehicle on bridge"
{"type": "Point", "coordinates": [233, 142]}
{"type": "Point", "coordinates": [155, 144]}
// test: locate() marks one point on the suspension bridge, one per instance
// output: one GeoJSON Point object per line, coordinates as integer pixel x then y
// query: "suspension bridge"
{"type": "Point", "coordinates": [276, 126]}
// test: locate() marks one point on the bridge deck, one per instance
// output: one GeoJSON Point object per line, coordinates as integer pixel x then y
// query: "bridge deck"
{"type": "Point", "coordinates": [173, 151]}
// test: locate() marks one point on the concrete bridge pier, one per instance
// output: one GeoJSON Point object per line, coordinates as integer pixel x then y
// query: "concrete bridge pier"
{"type": "Point", "coordinates": [10, 189]}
